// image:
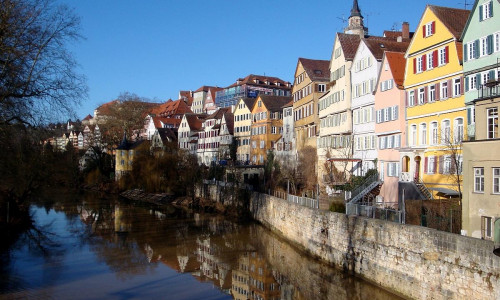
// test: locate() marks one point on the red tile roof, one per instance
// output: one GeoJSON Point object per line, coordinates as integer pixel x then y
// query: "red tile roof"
{"type": "Point", "coordinates": [205, 88]}
{"type": "Point", "coordinates": [289, 104]}
{"type": "Point", "coordinates": [188, 95]}
{"type": "Point", "coordinates": [317, 70]}
{"type": "Point", "coordinates": [453, 18]}
{"type": "Point", "coordinates": [397, 63]}
{"type": "Point", "coordinates": [195, 121]}
{"type": "Point", "coordinates": [349, 44]}
{"type": "Point", "coordinates": [88, 117]}
{"type": "Point", "coordinates": [171, 121]}
{"type": "Point", "coordinates": [393, 35]}
{"type": "Point", "coordinates": [171, 108]}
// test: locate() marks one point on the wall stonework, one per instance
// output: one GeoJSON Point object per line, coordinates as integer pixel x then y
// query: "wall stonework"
{"type": "Point", "coordinates": [416, 262]}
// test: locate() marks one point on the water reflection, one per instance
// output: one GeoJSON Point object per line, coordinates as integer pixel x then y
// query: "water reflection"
{"type": "Point", "coordinates": [124, 249]}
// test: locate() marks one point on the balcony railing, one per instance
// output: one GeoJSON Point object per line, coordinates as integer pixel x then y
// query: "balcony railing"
{"type": "Point", "coordinates": [489, 90]}
{"type": "Point", "coordinates": [405, 177]}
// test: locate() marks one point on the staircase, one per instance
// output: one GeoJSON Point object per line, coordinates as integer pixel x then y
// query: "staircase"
{"type": "Point", "coordinates": [371, 186]}
{"type": "Point", "coordinates": [423, 189]}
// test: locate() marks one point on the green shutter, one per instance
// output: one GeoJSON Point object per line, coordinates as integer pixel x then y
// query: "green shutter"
{"type": "Point", "coordinates": [469, 113]}
{"type": "Point", "coordinates": [492, 75]}
{"type": "Point", "coordinates": [480, 13]}
{"type": "Point", "coordinates": [489, 41]}
{"type": "Point", "coordinates": [476, 48]}
{"type": "Point", "coordinates": [466, 84]}
{"type": "Point", "coordinates": [465, 52]}
{"type": "Point", "coordinates": [491, 9]}
{"type": "Point", "coordinates": [478, 80]}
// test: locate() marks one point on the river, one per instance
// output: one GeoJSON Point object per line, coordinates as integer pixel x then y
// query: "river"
{"type": "Point", "coordinates": [92, 247]}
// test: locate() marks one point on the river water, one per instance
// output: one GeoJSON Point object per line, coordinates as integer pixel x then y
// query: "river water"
{"type": "Point", "coordinates": [92, 247]}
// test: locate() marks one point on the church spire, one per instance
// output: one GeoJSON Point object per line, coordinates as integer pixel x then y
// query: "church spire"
{"type": "Point", "coordinates": [355, 11]}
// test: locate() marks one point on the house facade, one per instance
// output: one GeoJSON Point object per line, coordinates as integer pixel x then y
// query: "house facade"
{"type": "Point", "coordinates": [311, 78]}
{"type": "Point", "coordinates": [481, 181]}
{"type": "Point", "coordinates": [285, 148]}
{"type": "Point", "coordinates": [190, 126]}
{"type": "Point", "coordinates": [267, 125]}
{"type": "Point", "coordinates": [436, 113]}
{"type": "Point", "coordinates": [481, 52]}
{"type": "Point", "coordinates": [390, 122]}
{"type": "Point", "coordinates": [242, 128]}
{"type": "Point", "coordinates": [209, 138]}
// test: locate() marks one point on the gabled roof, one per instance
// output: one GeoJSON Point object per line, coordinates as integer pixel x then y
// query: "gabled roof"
{"type": "Point", "coordinates": [378, 45]}
{"type": "Point", "coordinates": [317, 70]}
{"type": "Point", "coordinates": [249, 102]}
{"type": "Point", "coordinates": [195, 121]}
{"type": "Point", "coordinates": [349, 44]}
{"type": "Point", "coordinates": [397, 63]}
{"type": "Point", "coordinates": [205, 88]}
{"type": "Point", "coordinates": [172, 121]}
{"type": "Point", "coordinates": [453, 18]}
{"type": "Point", "coordinates": [219, 113]}
{"type": "Point", "coordinates": [213, 90]}
{"type": "Point", "coordinates": [251, 80]}
{"type": "Point", "coordinates": [274, 103]}
{"type": "Point", "coordinates": [229, 117]}
{"type": "Point", "coordinates": [187, 95]}
{"type": "Point", "coordinates": [88, 117]}
{"type": "Point", "coordinates": [289, 104]}
{"type": "Point", "coordinates": [394, 35]}
{"type": "Point", "coordinates": [171, 108]}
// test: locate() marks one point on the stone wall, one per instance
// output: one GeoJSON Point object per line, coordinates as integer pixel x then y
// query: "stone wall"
{"type": "Point", "coordinates": [416, 262]}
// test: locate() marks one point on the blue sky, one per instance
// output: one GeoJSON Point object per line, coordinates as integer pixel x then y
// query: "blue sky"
{"type": "Point", "coordinates": [156, 48]}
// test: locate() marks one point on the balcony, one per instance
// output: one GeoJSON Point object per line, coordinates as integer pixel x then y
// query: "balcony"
{"type": "Point", "coordinates": [489, 90]}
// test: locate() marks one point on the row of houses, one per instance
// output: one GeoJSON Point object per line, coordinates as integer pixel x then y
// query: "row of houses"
{"type": "Point", "coordinates": [420, 107]}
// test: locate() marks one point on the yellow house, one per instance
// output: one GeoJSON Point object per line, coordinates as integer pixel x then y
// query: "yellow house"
{"type": "Point", "coordinates": [267, 125]}
{"type": "Point", "coordinates": [125, 154]}
{"type": "Point", "coordinates": [436, 114]}
{"type": "Point", "coordinates": [242, 125]}
{"type": "Point", "coordinates": [311, 78]}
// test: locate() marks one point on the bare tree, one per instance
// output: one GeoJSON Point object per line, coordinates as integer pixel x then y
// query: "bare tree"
{"type": "Point", "coordinates": [38, 78]}
{"type": "Point", "coordinates": [339, 159]}
{"type": "Point", "coordinates": [451, 163]}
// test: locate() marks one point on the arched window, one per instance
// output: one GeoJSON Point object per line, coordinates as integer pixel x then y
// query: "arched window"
{"type": "Point", "coordinates": [459, 130]}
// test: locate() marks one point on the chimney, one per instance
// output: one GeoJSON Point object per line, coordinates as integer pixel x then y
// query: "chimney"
{"type": "Point", "coordinates": [406, 30]}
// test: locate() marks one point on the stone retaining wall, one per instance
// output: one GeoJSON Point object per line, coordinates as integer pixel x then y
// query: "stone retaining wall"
{"type": "Point", "coordinates": [414, 261]}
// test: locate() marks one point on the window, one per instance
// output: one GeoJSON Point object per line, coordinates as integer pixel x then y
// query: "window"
{"type": "Point", "coordinates": [444, 90]}
{"type": "Point", "coordinates": [486, 228]}
{"type": "Point", "coordinates": [445, 138]}
{"type": "Point", "coordinates": [497, 41]}
{"type": "Point", "coordinates": [429, 29]}
{"type": "Point", "coordinates": [413, 135]}
{"type": "Point", "coordinates": [456, 87]}
{"type": "Point", "coordinates": [321, 88]}
{"type": "Point", "coordinates": [485, 11]}
{"type": "Point", "coordinates": [471, 50]}
{"type": "Point", "coordinates": [394, 112]}
{"type": "Point", "coordinates": [421, 96]}
{"type": "Point", "coordinates": [432, 93]}
{"type": "Point", "coordinates": [423, 134]}
{"type": "Point", "coordinates": [262, 144]}
{"type": "Point", "coordinates": [483, 46]}
{"type": "Point", "coordinates": [472, 80]}
{"type": "Point", "coordinates": [479, 180]}
{"type": "Point", "coordinates": [442, 56]}
{"type": "Point", "coordinates": [430, 60]}
{"type": "Point", "coordinates": [492, 122]}
{"type": "Point", "coordinates": [420, 64]}
{"type": "Point", "coordinates": [496, 180]}
{"type": "Point", "coordinates": [459, 129]}
{"type": "Point", "coordinates": [431, 165]}
{"type": "Point", "coordinates": [447, 165]}
{"type": "Point", "coordinates": [393, 169]}
{"type": "Point", "coordinates": [411, 98]}
{"type": "Point", "coordinates": [434, 133]}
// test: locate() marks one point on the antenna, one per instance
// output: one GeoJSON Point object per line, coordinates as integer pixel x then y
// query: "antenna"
{"type": "Point", "coordinates": [465, 3]}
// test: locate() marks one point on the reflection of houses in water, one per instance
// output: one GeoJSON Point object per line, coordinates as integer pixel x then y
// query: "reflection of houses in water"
{"type": "Point", "coordinates": [240, 288]}
{"type": "Point", "coordinates": [262, 282]}
{"type": "Point", "coordinates": [121, 224]}
{"type": "Point", "coordinates": [211, 267]}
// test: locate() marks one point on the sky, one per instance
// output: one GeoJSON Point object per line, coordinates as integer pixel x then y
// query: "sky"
{"type": "Point", "coordinates": [156, 48]}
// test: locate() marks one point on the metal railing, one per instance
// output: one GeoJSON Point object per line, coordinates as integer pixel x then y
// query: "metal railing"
{"type": "Point", "coordinates": [405, 177]}
{"type": "Point", "coordinates": [423, 189]}
{"type": "Point", "coordinates": [489, 90]}
{"type": "Point", "coordinates": [373, 212]}
{"type": "Point", "coordinates": [304, 201]}
{"type": "Point", "coordinates": [371, 181]}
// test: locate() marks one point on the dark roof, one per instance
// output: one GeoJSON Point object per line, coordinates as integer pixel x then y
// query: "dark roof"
{"type": "Point", "coordinates": [250, 80]}
{"type": "Point", "coordinates": [394, 35]}
{"type": "Point", "coordinates": [219, 113]}
{"type": "Point", "coordinates": [249, 102]}
{"type": "Point", "coordinates": [317, 70]}
{"type": "Point", "coordinates": [229, 117]}
{"type": "Point", "coordinates": [167, 134]}
{"type": "Point", "coordinates": [205, 88]}
{"type": "Point", "coordinates": [274, 103]}
{"type": "Point", "coordinates": [289, 104]}
{"type": "Point", "coordinates": [195, 121]}
{"type": "Point", "coordinates": [88, 117]}
{"type": "Point", "coordinates": [355, 11]}
{"type": "Point", "coordinates": [378, 45]}
{"type": "Point", "coordinates": [349, 44]}
{"type": "Point", "coordinates": [453, 18]}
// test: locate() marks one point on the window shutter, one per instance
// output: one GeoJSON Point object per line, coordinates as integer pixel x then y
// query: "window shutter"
{"type": "Point", "coordinates": [465, 52]}
{"type": "Point", "coordinates": [469, 116]}
{"type": "Point", "coordinates": [461, 85]}
{"type": "Point", "coordinates": [478, 80]}
{"type": "Point", "coordinates": [449, 87]}
{"type": "Point", "coordinates": [424, 62]}
{"type": "Point", "coordinates": [426, 90]}
{"type": "Point", "coordinates": [467, 84]}
{"type": "Point", "coordinates": [433, 27]}
{"type": "Point", "coordinates": [447, 54]}
{"type": "Point", "coordinates": [396, 112]}
{"type": "Point", "coordinates": [492, 75]}
{"type": "Point", "coordinates": [389, 114]}
{"type": "Point", "coordinates": [453, 169]}
{"type": "Point", "coordinates": [399, 141]}
{"type": "Point", "coordinates": [435, 164]}
{"type": "Point", "coordinates": [491, 9]}
{"type": "Point", "coordinates": [407, 96]}
{"type": "Point", "coordinates": [436, 89]}
{"type": "Point", "coordinates": [441, 164]}
{"type": "Point", "coordinates": [423, 31]}
{"type": "Point", "coordinates": [380, 143]}
{"type": "Point", "coordinates": [426, 162]}
{"type": "Point", "coordinates": [490, 43]}
{"type": "Point", "coordinates": [414, 65]}
{"type": "Point", "coordinates": [434, 59]}
{"type": "Point", "coordinates": [476, 48]}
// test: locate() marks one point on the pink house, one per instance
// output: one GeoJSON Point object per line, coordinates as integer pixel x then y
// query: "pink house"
{"type": "Point", "coordinates": [390, 126]}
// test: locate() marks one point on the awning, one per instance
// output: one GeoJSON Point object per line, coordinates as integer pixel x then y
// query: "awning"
{"type": "Point", "coordinates": [444, 192]}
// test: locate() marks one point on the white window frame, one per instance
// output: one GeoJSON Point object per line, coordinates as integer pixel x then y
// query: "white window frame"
{"type": "Point", "coordinates": [434, 133]}
{"type": "Point", "coordinates": [430, 61]}
{"type": "Point", "coordinates": [456, 87]}
{"type": "Point", "coordinates": [495, 186]}
{"type": "Point", "coordinates": [471, 50]}
{"type": "Point", "coordinates": [432, 93]}
{"type": "Point", "coordinates": [411, 98]}
{"type": "Point", "coordinates": [458, 129]}
{"type": "Point", "coordinates": [420, 64]}
{"type": "Point", "coordinates": [483, 46]}
{"type": "Point", "coordinates": [492, 123]}
{"type": "Point", "coordinates": [421, 95]}
{"type": "Point", "coordinates": [479, 180]}
{"type": "Point", "coordinates": [431, 164]}
{"type": "Point", "coordinates": [423, 133]}
{"type": "Point", "coordinates": [446, 134]}
{"type": "Point", "coordinates": [413, 133]}
{"type": "Point", "coordinates": [486, 10]}
{"type": "Point", "coordinates": [444, 90]}
{"type": "Point", "coordinates": [442, 56]}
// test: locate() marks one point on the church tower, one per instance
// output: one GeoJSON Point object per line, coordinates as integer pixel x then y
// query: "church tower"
{"type": "Point", "coordinates": [356, 21]}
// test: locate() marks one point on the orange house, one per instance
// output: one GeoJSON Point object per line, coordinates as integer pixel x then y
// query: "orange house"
{"type": "Point", "coordinates": [267, 125]}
